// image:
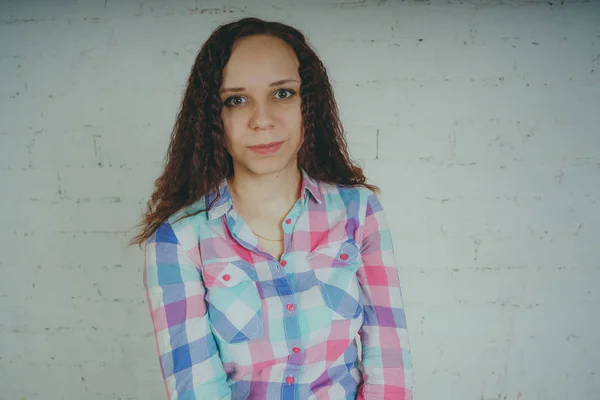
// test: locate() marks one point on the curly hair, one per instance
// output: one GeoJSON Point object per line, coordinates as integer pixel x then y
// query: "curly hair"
{"type": "Point", "coordinates": [197, 160]}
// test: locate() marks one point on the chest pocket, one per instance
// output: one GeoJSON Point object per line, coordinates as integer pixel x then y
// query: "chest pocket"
{"type": "Point", "coordinates": [234, 303]}
{"type": "Point", "coordinates": [335, 267]}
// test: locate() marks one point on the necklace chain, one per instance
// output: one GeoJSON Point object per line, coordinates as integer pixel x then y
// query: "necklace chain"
{"type": "Point", "coordinates": [270, 240]}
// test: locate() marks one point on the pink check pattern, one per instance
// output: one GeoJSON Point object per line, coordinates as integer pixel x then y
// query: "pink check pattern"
{"type": "Point", "coordinates": [325, 321]}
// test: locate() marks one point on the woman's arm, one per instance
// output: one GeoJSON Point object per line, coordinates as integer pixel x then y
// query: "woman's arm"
{"type": "Point", "coordinates": [387, 366]}
{"type": "Point", "coordinates": [189, 359]}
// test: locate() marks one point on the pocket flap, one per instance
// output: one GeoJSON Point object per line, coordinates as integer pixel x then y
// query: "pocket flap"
{"type": "Point", "coordinates": [228, 274]}
{"type": "Point", "coordinates": [334, 255]}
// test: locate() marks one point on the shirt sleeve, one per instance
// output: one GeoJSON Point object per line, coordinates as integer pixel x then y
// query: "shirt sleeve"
{"type": "Point", "coordinates": [386, 360]}
{"type": "Point", "coordinates": [188, 354]}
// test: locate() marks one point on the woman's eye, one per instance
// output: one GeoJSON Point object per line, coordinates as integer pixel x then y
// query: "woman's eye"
{"type": "Point", "coordinates": [234, 101]}
{"type": "Point", "coordinates": [287, 93]}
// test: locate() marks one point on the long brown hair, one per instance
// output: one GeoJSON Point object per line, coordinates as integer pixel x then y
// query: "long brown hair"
{"type": "Point", "coordinates": [197, 161]}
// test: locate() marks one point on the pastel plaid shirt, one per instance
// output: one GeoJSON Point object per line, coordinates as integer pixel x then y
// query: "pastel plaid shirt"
{"type": "Point", "coordinates": [232, 322]}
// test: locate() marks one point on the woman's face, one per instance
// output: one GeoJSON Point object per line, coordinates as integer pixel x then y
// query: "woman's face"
{"type": "Point", "coordinates": [261, 105]}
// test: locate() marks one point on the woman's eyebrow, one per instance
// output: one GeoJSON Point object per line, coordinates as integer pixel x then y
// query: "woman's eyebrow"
{"type": "Point", "coordinates": [276, 83]}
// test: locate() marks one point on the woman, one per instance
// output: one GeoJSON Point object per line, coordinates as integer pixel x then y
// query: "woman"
{"type": "Point", "coordinates": [267, 254]}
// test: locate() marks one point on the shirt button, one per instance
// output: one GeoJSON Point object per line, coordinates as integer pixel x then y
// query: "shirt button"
{"type": "Point", "coordinates": [289, 379]}
{"type": "Point", "coordinates": [288, 221]}
{"type": "Point", "coordinates": [290, 307]}
{"type": "Point", "coordinates": [283, 263]}
{"type": "Point", "coordinates": [296, 350]}
{"type": "Point", "coordinates": [226, 277]}
{"type": "Point", "coordinates": [344, 256]}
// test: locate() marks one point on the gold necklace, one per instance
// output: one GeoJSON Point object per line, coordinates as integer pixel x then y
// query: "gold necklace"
{"type": "Point", "coordinates": [270, 240]}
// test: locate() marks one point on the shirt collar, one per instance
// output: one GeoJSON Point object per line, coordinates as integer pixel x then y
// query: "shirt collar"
{"type": "Point", "coordinates": [312, 186]}
{"type": "Point", "coordinates": [224, 203]}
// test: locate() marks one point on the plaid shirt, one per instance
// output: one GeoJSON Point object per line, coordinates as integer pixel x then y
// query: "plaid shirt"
{"type": "Point", "coordinates": [232, 322]}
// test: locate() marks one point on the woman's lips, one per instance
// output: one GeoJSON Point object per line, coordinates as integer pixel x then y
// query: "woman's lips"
{"type": "Point", "coordinates": [266, 149]}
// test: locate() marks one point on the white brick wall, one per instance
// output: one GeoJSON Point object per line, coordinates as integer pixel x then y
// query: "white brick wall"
{"type": "Point", "coordinates": [479, 120]}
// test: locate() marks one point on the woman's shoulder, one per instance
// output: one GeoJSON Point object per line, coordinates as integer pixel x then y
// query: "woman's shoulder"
{"type": "Point", "coordinates": [335, 192]}
{"type": "Point", "coordinates": [195, 211]}
{"type": "Point", "coordinates": [182, 226]}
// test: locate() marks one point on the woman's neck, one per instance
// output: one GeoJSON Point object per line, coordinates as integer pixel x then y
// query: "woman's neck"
{"type": "Point", "coordinates": [270, 195]}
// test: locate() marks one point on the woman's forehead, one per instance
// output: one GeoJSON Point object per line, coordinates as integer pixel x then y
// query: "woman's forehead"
{"type": "Point", "coordinates": [260, 60]}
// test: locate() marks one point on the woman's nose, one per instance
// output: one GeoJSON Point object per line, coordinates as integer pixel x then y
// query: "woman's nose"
{"type": "Point", "coordinates": [262, 117]}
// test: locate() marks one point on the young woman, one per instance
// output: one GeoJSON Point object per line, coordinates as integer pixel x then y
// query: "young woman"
{"type": "Point", "coordinates": [267, 255]}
